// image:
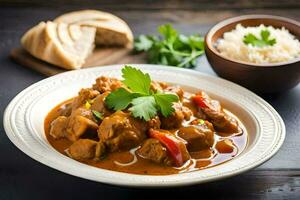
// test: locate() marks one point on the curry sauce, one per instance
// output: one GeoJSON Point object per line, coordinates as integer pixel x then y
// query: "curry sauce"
{"type": "Point", "coordinates": [225, 147]}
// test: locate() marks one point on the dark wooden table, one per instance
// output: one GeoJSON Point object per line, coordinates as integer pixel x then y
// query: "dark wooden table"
{"type": "Point", "coordinates": [23, 178]}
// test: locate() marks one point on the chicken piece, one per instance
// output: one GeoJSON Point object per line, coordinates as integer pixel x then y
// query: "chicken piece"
{"type": "Point", "coordinates": [120, 131]}
{"type": "Point", "coordinates": [154, 123]}
{"type": "Point", "coordinates": [215, 114]}
{"type": "Point", "coordinates": [58, 127]}
{"type": "Point", "coordinates": [175, 145]}
{"type": "Point", "coordinates": [176, 118]}
{"type": "Point", "coordinates": [107, 84]}
{"type": "Point", "coordinates": [193, 108]}
{"type": "Point", "coordinates": [175, 90]}
{"type": "Point", "coordinates": [98, 104]}
{"type": "Point", "coordinates": [65, 109]}
{"type": "Point", "coordinates": [79, 125]}
{"type": "Point", "coordinates": [82, 149]}
{"type": "Point", "coordinates": [226, 124]}
{"type": "Point", "coordinates": [225, 146]}
{"type": "Point", "coordinates": [158, 86]}
{"type": "Point", "coordinates": [82, 111]}
{"type": "Point", "coordinates": [100, 150]}
{"type": "Point", "coordinates": [153, 150]}
{"type": "Point", "coordinates": [198, 137]}
{"type": "Point", "coordinates": [161, 86]}
{"type": "Point", "coordinates": [83, 96]}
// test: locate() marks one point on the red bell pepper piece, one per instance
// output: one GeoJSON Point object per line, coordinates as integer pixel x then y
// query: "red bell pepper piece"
{"type": "Point", "coordinates": [200, 101]}
{"type": "Point", "coordinates": [171, 143]}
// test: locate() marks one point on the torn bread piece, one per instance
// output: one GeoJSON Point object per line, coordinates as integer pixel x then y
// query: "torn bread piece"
{"type": "Point", "coordinates": [61, 44]}
{"type": "Point", "coordinates": [111, 30]}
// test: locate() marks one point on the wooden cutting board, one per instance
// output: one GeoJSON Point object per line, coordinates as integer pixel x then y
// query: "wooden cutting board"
{"type": "Point", "coordinates": [99, 57]}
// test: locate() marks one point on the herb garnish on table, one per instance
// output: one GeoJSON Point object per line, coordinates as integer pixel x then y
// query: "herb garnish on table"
{"type": "Point", "coordinates": [171, 48]}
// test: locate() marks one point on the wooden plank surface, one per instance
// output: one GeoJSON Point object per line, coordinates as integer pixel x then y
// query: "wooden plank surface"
{"type": "Point", "coordinates": [160, 4]}
{"type": "Point", "coordinates": [256, 185]}
{"type": "Point", "coordinates": [99, 57]}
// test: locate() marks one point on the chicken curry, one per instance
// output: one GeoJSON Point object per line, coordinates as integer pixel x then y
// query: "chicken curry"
{"type": "Point", "coordinates": [140, 126]}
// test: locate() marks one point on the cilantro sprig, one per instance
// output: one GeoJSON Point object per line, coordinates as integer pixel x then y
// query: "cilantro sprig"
{"type": "Point", "coordinates": [98, 115]}
{"type": "Point", "coordinates": [171, 48]}
{"type": "Point", "coordinates": [136, 80]}
{"type": "Point", "coordinates": [142, 102]}
{"type": "Point", "coordinates": [259, 42]}
{"type": "Point", "coordinates": [144, 107]}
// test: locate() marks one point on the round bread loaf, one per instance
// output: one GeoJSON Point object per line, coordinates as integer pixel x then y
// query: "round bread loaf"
{"type": "Point", "coordinates": [111, 30]}
{"type": "Point", "coordinates": [61, 44]}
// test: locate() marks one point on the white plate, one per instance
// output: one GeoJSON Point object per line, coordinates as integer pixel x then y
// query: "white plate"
{"type": "Point", "coordinates": [24, 124]}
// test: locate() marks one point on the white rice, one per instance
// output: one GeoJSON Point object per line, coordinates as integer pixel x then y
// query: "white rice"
{"type": "Point", "coordinates": [286, 48]}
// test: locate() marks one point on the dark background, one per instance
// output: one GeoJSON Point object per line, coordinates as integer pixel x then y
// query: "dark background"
{"type": "Point", "coordinates": [23, 178]}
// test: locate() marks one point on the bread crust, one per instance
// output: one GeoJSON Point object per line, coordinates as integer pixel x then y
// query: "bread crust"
{"type": "Point", "coordinates": [43, 42]}
{"type": "Point", "coordinates": [111, 30]}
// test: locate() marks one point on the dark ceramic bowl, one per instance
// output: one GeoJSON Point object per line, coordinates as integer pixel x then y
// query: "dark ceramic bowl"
{"type": "Point", "coordinates": [261, 78]}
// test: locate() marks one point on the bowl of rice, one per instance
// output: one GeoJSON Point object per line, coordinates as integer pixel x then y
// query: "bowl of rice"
{"type": "Point", "coordinates": [260, 52]}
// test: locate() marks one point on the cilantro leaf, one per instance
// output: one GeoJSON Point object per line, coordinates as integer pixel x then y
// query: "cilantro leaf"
{"type": "Point", "coordinates": [171, 48]}
{"type": "Point", "coordinates": [97, 114]}
{"type": "Point", "coordinates": [144, 107]}
{"type": "Point", "coordinates": [168, 32]}
{"type": "Point", "coordinates": [142, 102]}
{"type": "Point", "coordinates": [119, 99]}
{"type": "Point", "coordinates": [253, 40]}
{"type": "Point", "coordinates": [136, 80]}
{"type": "Point", "coordinates": [249, 38]}
{"type": "Point", "coordinates": [165, 102]}
{"type": "Point", "coordinates": [265, 34]}
{"type": "Point", "coordinates": [196, 42]}
{"type": "Point", "coordinates": [272, 42]}
{"type": "Point", "coordinates": [264, 41]}
{"type": "Point", "coordinates": [143, 43]}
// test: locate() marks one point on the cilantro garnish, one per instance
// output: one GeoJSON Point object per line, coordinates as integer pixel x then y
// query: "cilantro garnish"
{"type": "Point", "coordinates": [142, 102]}
{"type": "Point", "coordinates": [120, 99]}
{"type": "Point", "coordinates": [144, 107]}
{"type": "Point", "coordinates": [164, 101]}
{"type": "Point", "coordinates": [136, 80]}
{"type": "Point", "coordinates": [97, 114]}
{"type": "Point", "coordinates": [171, 48]}
{"type": "Point", "coordinates": [262, 42]}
